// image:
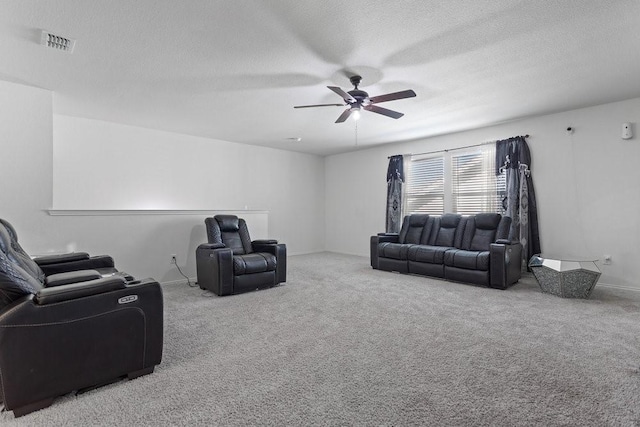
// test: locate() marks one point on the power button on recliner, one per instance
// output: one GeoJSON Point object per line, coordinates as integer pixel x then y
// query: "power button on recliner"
{"type": "Point", "coordinates": [127, 299]}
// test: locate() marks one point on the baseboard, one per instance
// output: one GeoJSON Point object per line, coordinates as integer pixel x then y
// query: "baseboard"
{"type": "Point", "coordinates": [626, 288]}
{"type": "Point", "coordinates": [179, 281]}
{"type": "Point", "coordinates": [604, 285]}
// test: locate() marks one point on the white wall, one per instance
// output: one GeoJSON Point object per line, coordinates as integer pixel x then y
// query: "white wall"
{"type": "Point", "coordinates": [50, 161]}
{"type": "Point", "coordinates": [25, 159]}
{"type": "Point", "coordinates": [586, 186]}
{"type": "Point", "coordinates": [102, 165]}
{"type": "Point", "coordinates": [106, 166]}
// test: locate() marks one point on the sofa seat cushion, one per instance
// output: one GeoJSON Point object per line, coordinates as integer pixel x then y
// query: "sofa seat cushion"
{"type": "Point", "coordinates": [257, 262]}
{"type": "Point", "coordinates": [472, 260]}
{"type": "Point", "coordinates": [394, 250]}
{"type": "Point", "coordinates": [428, 254]}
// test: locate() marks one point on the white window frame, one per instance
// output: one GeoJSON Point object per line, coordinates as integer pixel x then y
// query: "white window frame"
{"type": "Point", "coordinates": [486, 176]}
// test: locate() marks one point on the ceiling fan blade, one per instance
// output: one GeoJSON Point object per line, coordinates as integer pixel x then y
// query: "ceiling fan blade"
{"type": "Point", "coordinates": [393, 96]}
{"type": "Point", "coordinates": [319, 105]}
{"type": "Point", "coordinates": [344, 116]}
{"type": "Point", "coordinates": [383, 111]}
{"type": "Point", "coordinates": [348, 98]}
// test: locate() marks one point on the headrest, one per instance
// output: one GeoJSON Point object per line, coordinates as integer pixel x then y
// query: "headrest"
{"type": "Point", "coordinates": [15, 282]}
{"type": "Point", "coordinates": [488, 221]}
{"type": "Point", "coordinates": [10, 229]}
{"type": "Point", "coordinates": [418, 220]}
{"type": "Point", "coordinates": [227, 222]}
{"type": "Point", "coordinates": [450, 220]}
{"type": "Point", "coordinates": [5, 239]}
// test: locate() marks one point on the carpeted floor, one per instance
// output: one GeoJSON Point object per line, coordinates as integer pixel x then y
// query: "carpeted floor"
{"type": "Point", "coordinates": [342, 344]}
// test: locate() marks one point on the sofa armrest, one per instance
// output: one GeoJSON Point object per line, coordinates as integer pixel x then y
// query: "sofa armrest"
{"type": "Point", "coordinates": [387, 237]}
{"type": "Point", "coordinates": [71, 277]}
{"type": "Point", "coordinates": [265, 242]}
{"type": "Point", "coordinates": [212, 246]}
{"type": "Point", "coordinates": [373, 245]}
{"type": "Point", "coordinates": [279, 250]}
{"type": "Point", "coordinates": [505, 264]}
{"type": "Point", "coordinates": [214, 266]}
{"type": "Point", "coordinates": [267, 246]}
{"type": "Point", "coordinates": [99, 262]}
{"type": "Point", "coordinates": [78, 290]}
{"type": "Point", "coordinates": [505, 242]}
{"type": "Point", "coordinates": [58, 258]}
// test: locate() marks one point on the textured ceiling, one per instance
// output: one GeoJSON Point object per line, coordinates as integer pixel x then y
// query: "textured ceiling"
{"type": "Point", "coordinates": [234, 69]}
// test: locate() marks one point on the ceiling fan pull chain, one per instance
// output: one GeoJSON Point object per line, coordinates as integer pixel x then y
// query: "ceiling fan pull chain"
{"type": "Point", "coordinates": [356, 132]}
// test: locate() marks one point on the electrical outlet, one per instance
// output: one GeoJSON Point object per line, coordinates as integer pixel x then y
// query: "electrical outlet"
{"type": "Point", "coordinates": [174, 259]}
{"type": "Point", "coordinates": [607, 260]}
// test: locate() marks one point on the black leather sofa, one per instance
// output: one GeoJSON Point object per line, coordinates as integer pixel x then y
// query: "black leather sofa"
{"type": "Point", "coordinates": [73, 329]}
{"type": "Point", "coordinates": [471, 249]}
{"type": "Point", "coordinates": [232, 263]}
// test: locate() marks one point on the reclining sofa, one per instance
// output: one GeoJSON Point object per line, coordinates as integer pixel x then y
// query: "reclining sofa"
{"type": "Point", "coordinates": [471, 249]}
{"type": "Point", "coordinates": [71, 323]}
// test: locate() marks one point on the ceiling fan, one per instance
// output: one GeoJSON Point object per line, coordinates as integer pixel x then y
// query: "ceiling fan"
{"type": "Point", "coordinates": [357, 100]}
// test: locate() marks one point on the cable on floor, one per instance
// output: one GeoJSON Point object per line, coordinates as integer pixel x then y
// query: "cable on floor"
{"type": "Point", "coordinates": [185, 276]}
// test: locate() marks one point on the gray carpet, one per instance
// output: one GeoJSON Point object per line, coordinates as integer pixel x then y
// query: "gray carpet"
{"type": "Point", "coordinates": [342, 344]}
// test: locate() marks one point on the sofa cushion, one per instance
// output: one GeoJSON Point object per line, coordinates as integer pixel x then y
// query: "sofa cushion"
{"type": "Point", "coordinates": [482, 239]}
{"type": "Point", "coordinates": [428, 254]}
{"type": "Point", "coordinates": [412, 228]}
{"type": "Point", "coordinates": [488, 221]}
{"type": "Point", "coordinates": [446, 230]}
{"type": "Point", "coordinates": [486, 225]}
{"type": "Point", "coordinates": [472, 260]}
{"type": "Point", "coordinates": [481, 230]}
{"type": "Point", "coordinates": [256, 262]}
{"type": "Point", "coordinates": [230, 230]}
{"type": "Point", "coordinates": [393, 250]}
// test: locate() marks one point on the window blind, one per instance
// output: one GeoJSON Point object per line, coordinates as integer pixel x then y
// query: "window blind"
{"type": "Point", "coordinates": [463, 183]}
{"type": "Point", "coordinates": [425, 186]}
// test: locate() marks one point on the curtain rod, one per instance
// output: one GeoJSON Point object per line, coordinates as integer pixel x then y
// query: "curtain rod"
{"type": "Point", "coordinates": [452, 149]}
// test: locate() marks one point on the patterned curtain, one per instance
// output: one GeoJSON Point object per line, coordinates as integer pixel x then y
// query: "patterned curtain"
{"type": "Point", "coordinates": [513, 158]}
{"type": "Point", "coordinates": [395, 178]}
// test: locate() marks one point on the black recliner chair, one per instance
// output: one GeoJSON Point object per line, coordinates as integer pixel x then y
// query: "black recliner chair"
{"type": "Point", "coordinates": [73, 329]}
{"type": "Point", "coordinates": [58, 269]}
{"type": "Point", "coordinates": [232, 263]}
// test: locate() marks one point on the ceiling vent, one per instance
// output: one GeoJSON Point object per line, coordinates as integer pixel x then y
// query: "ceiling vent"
{"type": "Point", "coordinates": [57, 42]}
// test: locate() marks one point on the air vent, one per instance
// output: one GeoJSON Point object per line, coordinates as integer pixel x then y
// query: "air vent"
{"type": "Point", "coordinates": [57, 42]}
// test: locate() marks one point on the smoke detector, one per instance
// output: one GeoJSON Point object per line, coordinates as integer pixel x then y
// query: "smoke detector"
{"type": "Point", "coordinates": [57, 42]}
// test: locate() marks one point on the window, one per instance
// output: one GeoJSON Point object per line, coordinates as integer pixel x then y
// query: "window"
{"type": "Point", "coordinates": [425, 185]}
{"type": "Point", "coordinates": [474, 187]}
{"type": "Point", "coordinates": [462, 182]}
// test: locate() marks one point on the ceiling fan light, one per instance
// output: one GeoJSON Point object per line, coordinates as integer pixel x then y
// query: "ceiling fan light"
{"type": "Point", "coordinates": [355, 113]}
